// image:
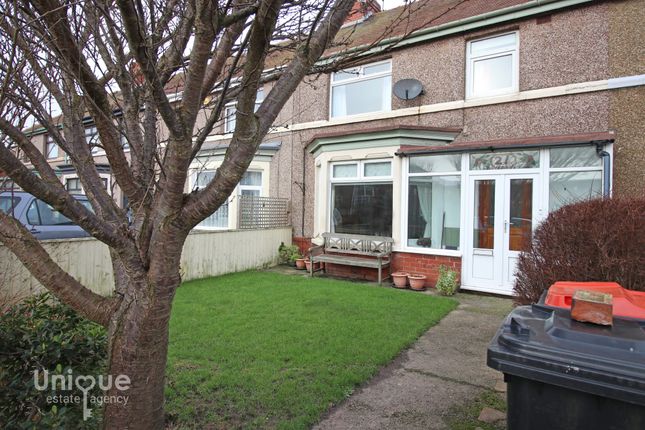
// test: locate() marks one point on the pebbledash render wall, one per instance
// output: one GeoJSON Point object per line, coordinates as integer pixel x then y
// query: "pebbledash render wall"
{"type": "Point", "coordinates": [565, 60]}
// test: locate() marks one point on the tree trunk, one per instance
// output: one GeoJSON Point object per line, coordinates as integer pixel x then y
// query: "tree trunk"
{"type": "Point", "coordinates": [138, 345]}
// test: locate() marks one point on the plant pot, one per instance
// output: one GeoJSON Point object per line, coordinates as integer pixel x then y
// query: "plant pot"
{"type": "Point", "coordinates": [308, 264]}
{"type": "Point", "coordinates": [300, 263]}
{"type": "Point", "coordinates": [417, 282]}
{"type": "Point", "coordinates": [400, 279]}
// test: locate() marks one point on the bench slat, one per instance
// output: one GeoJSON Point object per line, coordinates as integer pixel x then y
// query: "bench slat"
{"type": "Point", "coordinates": [349, 261]}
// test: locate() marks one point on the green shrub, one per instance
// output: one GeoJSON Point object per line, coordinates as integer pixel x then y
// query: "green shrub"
{"type": "Point", "coordinates": [288, 254]}
{"type": "Point", "coordinates": [594, 240]}
{"type": "Point", "coordinates": [447, 284]}
{"type": "Point", "coordinates": [42, 334]}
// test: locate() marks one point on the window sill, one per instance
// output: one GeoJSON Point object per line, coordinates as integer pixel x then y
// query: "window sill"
{"type": "Point", "coordinates": [365, 115]}
{"type": "Point", "coordinates": [429, 251]}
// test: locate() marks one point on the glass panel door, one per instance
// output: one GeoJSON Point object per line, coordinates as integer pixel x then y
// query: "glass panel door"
{"type": "Point", "coordinates": [520, 224]}
{"type": "Point", "coordinates": [484, 214]}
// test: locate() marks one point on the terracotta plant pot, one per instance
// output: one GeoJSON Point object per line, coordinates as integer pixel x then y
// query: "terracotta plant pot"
{"type": "Point", "coordinates": [400, 279]}
{"type": "Point", "coordinates": [308, 264]}
{"type": "Point", "coordinates": [300, 263]}
{"type": "Point", "coordinates": [417, 282]}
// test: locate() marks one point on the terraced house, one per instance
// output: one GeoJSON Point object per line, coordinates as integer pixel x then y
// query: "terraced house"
{"type": "Point", "coordinates": [457, 140]}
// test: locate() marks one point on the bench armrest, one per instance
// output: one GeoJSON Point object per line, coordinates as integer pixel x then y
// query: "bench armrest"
{"type": "Point", "coordinates": [315, 250]}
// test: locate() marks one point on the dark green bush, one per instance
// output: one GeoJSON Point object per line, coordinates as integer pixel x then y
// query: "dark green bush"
{"type": "Point", "coordinates": [42, 334]}
{"type": "Point", "coordinates": [595, 240]}
{"type": "Point", "coordinates": [288, 254]}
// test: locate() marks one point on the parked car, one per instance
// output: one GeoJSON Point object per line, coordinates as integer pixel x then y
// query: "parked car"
{"type": "Point", "coordinates": [41, 219]}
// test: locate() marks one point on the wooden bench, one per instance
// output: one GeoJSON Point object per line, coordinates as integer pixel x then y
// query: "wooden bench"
{"type": "Point", "coordinates": [352, 250]}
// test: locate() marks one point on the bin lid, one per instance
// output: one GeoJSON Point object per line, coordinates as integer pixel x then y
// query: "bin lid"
{"type": "Point", "coordinates": [544, 344]}
{"type": "Point", "coordinates": [626, 303]}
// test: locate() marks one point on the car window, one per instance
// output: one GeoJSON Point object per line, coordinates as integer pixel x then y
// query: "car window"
{"type": "Point", "coordinates": [32, 214]}
{"type": "Point", "coordinates": [40, 213]}
{"type": "Point", "coordinates": [7, 203]}
{"type": "Point", "coordinates": [50, 216]}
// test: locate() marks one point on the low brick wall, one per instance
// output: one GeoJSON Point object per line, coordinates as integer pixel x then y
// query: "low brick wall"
{"type": "Point", "coordinates": [401, 261]}
{"type": "Point", "coordinates": [424, 264]}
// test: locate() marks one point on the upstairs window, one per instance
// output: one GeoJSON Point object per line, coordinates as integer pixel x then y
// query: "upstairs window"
{"type": "Point", "coordinates": [362, 89]}
{"type": "Point", "coordinates": [492, 66]}
{"type": "Point", "coordinates": [51, 149]}
{"type": "Point", "coordinates": [92, 139]}
{"type": "Point", "coordinates": [231, 110]}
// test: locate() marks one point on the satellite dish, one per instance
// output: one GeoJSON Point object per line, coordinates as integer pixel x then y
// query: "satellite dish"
{"type": "Point", "coordinates": [407, 89]}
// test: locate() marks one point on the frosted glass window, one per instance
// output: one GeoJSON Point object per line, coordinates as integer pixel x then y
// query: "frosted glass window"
{"type": "Point", "coordinates": [378, 169]}
{"type": "Point", "coordinates": [491, 66]}
{"type": "Point", "coordinates": [571, 187]}
{"type": "Point", "coordinates": [493, 74]}
{"type": "Point", "coordinates": [505, 160]}
{"type": "Point", "coordinates": [435, 163]}
{"type": "Point", "coordinates": [575, 157]}
{"type": "Point", "coordinates": [493, 45]}
{"type": "Point", "coordinates": [345, 171]}
{"type": "Point", "coordinates": [362, 89]}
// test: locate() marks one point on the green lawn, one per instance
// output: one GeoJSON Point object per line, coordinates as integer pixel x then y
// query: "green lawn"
{"type": "Point", "coordinates": [265, 350]}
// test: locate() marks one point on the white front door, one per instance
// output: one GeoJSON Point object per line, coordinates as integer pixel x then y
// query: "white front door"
{"type": "Point", "coordinates": [502, 211]}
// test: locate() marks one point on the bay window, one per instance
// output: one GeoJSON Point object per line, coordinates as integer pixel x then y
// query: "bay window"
{"type": "Point", "coordinates": [361, 198]}
{"type": "Point", "coordinates": [434, 202]}
{"type": "Point", "coordinates": [575, 174]}
{"type": "Point", "coordinates": [361, 89]}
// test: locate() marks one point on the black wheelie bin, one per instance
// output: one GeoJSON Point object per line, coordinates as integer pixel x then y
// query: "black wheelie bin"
{"type": "Point", "coordinates": [568, 375]}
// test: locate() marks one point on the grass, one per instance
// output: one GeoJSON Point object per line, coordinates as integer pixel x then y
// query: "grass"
{"type": "Point", "coordinates": [266, 350]}
{"type": "Point", "coordinates": [464, 417]}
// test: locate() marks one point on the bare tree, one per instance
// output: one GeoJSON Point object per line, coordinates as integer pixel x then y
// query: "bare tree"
{"type": "Point", "coordinates": [154, 74]}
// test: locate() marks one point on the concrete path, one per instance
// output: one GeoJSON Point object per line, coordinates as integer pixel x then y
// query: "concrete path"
{"type": "Point", "coordinates": [446, 367]}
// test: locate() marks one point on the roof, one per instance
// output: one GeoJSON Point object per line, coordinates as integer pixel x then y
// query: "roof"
{"type": "Point", "coordinates": [514, 143]}
{"type": "Point", "coordinates": [418, 15]}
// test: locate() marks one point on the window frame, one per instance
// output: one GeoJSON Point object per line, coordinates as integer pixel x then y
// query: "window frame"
{"type": "Point", "coordinates": [471, 94]}
{"type": "Point", "coordinates": [571, 169]}
{"type": "Point", "coordinates": [360, 178]}
{"type": "Point", "coordinates": [360, 78]}
{"type": "Point", "coordinates": [230, 111]}
{"type": "Point", "coordinates": [49, 141]}
{"type": "Point", "coordinates": [462, 173]}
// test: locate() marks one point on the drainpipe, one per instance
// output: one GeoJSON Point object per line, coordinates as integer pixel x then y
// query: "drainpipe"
{"type": "Point", "coordinates": [606, 169]}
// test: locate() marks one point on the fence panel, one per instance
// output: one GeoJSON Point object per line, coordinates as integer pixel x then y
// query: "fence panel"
{"type": "Point", "coordinates": [262, 212]}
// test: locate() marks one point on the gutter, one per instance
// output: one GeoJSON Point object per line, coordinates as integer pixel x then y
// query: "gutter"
{"type": "Point", "coordinates": [455, 149]}
{"type": "Point", "coordinates": [511, 13]}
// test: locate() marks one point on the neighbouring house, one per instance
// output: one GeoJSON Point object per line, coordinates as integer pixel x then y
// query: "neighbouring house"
{"type": "Point", "coordinates": [524, 106]}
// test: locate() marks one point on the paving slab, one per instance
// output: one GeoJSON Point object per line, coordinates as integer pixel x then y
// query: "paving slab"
{"type": "Point", "coordinates": [446, 367]}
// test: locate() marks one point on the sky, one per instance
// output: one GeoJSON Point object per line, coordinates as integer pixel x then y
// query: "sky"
{"type": "Point", "coordinates": [391, 4]}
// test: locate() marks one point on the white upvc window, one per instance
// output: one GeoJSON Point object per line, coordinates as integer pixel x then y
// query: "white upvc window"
{"type": "Point", "coordinates": [361, 197]}
{"type": "Point", "coordinates": [361, 89]}
{"type": "Point", "coordinates": [93, 140]}
{"type": "Point", "coordinates": [575, 174]}
{"type": "Point", "coordinates": [231, 110]}
{"type": "Point", "coordinates": [250, 184]}
{"type": "Point", "coordinates": [51, 148]}
{"type": "Point", "coordinates": [492, 66]}
{"type": "Point", "coordinates": [433, 189]}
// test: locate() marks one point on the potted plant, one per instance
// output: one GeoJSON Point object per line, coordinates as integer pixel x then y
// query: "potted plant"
{"type": "Point", "coordinates": [417, 281]}
{"type": "Point", "coordinates": [300, 263]}
{"type": "Point", "coordinates": [288, 254]}
{"type": "Point", "coordinates": [400, 279]}
{"type": "Point", "coordinates": [447, 283]}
